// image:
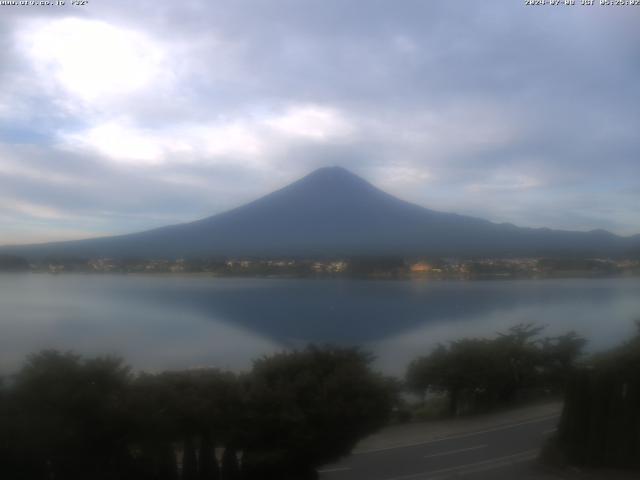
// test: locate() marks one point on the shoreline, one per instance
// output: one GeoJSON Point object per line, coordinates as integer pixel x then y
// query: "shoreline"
{"type": "Point", "coordinates": [407, 277]}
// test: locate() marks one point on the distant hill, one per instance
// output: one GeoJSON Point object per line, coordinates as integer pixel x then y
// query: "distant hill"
{"type": "Point", "coordinates": [332, 212]}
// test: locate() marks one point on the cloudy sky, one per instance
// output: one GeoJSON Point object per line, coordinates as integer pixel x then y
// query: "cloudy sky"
{"type": "Point", "coordinates": [120, 116]}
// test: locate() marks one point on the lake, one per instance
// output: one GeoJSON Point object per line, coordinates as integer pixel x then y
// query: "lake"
{"type": "Point", "coordinates": [159, 322]}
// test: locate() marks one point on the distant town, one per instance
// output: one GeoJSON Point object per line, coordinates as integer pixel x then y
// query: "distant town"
{"type": "Point", "coordinates": [373, 267]}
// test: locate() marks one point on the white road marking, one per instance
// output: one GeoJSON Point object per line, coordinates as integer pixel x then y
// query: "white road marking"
{"type": "Point", "coordinates": [475, 467]}
{"type": "Point", "coordinates": [337, 469]}
{"type": "Point", "coordinates": [455, 437]}
{"type": "Point", "coordinates": [547, 432]}
{"type": "Point", "coordinates": [452, 452]}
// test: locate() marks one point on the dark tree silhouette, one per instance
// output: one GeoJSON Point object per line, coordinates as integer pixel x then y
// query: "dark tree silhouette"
{"type": "Point", "coordinates": [10, 263]}
{"type": "Point", "coordinates": [600, 423]}
{"type": "Point", "coordinates": [478, 374]}
{"type": "Point", "coordinates": [230, 468]}
{"type": "Point", "coordinates": [69, 416]}
{"type": "Point", "coordinates": [310, 407]}
{"type": "Point", "coordinates": [65, 417]}
{"type": "Point", "coordinates": [189, 460]}
{"type": "Point", "coordinates": [208, 463]}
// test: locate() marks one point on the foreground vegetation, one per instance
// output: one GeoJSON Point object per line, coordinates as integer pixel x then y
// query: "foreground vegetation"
{"type": "Point", "coordinates": [65, 417]}
{"type": "Point", "coordinates": [479, 374]}
{"type": "Point", "coordinates": [600, 424]}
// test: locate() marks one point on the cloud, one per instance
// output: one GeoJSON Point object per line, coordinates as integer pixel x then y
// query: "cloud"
{"type": "Point", "coordinates": [250, 139]}
{"type": "Point", "coordinates": [13, 169]}
{"type": "Point", "coordinates": [506, 182]}
{"type": "Point", "coordinates": [118, 141]}
{"type": "Point", "coordinates": [30, 209]}
{"type": "Point", "coordinates": [126, 116]}
{"type": "Point", "coordinates": [90, 60]}
{"type": "Point", "coordinates": [312, 122]}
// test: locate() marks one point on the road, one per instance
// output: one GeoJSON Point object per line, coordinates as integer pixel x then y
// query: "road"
{"type": "Point", "coordinates": [501, 452]}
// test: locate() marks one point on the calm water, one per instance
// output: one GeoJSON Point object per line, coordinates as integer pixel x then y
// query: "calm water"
{"type": "Point", "coordinates": [174, 322]}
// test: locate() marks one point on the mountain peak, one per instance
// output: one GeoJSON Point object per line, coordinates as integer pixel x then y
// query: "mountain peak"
{"type": "Point", "coordinates": [333, 212]}
{"type": "Point", "coordinates": [332, 173]}
{"type": "Point", "coordinates": [331, 187]}
{"type": "Point", "coordinates": [331, 178]}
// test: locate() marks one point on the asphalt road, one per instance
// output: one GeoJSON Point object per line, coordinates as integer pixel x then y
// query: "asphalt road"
{"type": "Point", "coordinates": [504, 452]}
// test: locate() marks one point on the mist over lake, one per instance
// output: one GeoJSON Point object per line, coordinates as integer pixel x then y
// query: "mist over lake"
{"type": "Point", "coordinates": [160, 322]}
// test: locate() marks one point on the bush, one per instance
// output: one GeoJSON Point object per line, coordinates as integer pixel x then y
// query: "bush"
{"type": "Point", "coordinates": [478, 374]}
{"type": "Point", "coordinates": [600, 424]}
{"type": "Point", "coordinates": [72, 418]}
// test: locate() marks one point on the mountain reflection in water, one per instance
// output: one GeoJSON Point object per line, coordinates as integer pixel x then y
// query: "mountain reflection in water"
{"type": "Point", "coordinates": [175, 322]}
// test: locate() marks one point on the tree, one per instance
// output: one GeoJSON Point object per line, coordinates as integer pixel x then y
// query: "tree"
{"type": "Point", "coordinates": [10, 263]}
{"type": "Point", "coordinates": [65, 417]}
{"type": "Point", "coordinates": [559, 358]}
{"type": "Point", "coordinates": [230, 469]}
{"type": "Point", "coordinates": [464, 371]}
{"type": "Point", "coordinates": [209, 469]}
{"type": "Point", "coordinates": [600, 423]}
{"type": "Point", "coordinates": [187, 411]}
{"type": "Point", "coordinates": [478, 373]}
{"type": "Point", "coordinates": [307, 408]}
{"type": "Point", "coordinates": [70, 417]}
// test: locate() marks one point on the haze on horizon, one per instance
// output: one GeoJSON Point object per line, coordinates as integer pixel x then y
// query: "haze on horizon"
{"type": "Point", "coordinates": [119, 117]}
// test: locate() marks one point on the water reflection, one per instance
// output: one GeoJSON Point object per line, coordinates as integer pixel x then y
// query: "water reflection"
{"type": "Point", "coordinates": [166, 322]}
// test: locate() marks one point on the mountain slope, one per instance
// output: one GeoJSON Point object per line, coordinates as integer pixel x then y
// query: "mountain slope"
{"type": "Point", "coordinates": [333, 212]}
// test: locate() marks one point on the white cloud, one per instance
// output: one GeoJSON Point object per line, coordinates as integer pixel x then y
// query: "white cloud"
{"type": "Point", "coordinates": [399, 176]}
{"type": "Point", "coordinates": [119, 141]}
{"type": "Point", "coordinates": [91, 60]}
{"type": "Point", "coordinates": [122, 141]}
{"type": "Point", "coordinates": [239, 138]}
{"type": "Point", "coordinates": [311, 122]}
{"type": "Point", "coordinates": [245, 140]}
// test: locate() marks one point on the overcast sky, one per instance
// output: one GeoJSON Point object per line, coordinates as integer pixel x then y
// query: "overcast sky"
{"type": "Point", "coordinates": [120, 116]}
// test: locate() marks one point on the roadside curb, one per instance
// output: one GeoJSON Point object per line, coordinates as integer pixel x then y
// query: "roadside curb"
{"type": "Point", "coordinates": [415, 434]}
